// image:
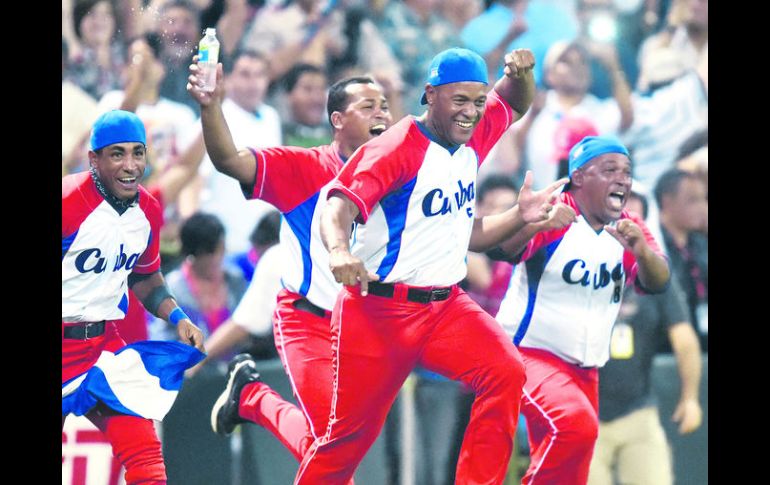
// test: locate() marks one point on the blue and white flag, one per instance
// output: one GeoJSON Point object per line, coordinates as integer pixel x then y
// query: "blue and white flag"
{"type": "Point", "coordinates": [141, 379]}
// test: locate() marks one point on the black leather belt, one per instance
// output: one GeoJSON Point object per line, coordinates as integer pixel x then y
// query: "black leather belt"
{"type": "Point", "coordinates": [413, 294]}
{"type": "Point", "coordinates": [305, 305]}
{"type": "Point", "coordinates": [84, 331]}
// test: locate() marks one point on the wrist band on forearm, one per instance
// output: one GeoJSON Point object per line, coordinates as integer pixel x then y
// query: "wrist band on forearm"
{"type": "Point", "coordinates": [176, 315]}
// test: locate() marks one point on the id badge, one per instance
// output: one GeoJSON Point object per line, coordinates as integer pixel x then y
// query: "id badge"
{"type": "Point", "coordinates": [702, 314]}
{"type": "Point", "coordinates": [622, 341]}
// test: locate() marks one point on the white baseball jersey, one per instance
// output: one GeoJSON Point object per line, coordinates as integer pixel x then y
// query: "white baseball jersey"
{"type": "Point", "coordinates": [101, 247]}
{"type": "Point", "coordinates": [566, 291]}
{"type": "Point", "coordinates": [416, 198]}
{"type": "Point", "coordinates": [295, 180]}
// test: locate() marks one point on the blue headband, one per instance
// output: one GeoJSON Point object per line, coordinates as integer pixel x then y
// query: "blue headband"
{"type": "Point", "coordinates": [591, 147]}
{"type": "Point", "coordinates": [455, 65]}
{"type": "Point", "coordinates": [117, 126]}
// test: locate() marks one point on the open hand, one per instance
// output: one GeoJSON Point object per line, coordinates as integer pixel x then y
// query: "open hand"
{"type": "Point", "coordinates": [534, 207]}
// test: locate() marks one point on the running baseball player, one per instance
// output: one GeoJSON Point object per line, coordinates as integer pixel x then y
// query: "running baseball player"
{"type": "Point", "coordinates": [110, 227]}
{"type": "Point", "coordinates": [411, 193]}
{"type": "Point", "coordinates": [295, 180]}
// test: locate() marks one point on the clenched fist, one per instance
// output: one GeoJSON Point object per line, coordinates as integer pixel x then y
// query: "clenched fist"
{"type": "Point", "coordinates": [518, 62]}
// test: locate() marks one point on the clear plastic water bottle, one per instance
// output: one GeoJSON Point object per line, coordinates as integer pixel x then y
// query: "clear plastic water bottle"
{"type": "Point", "coordinates": [208, 56]}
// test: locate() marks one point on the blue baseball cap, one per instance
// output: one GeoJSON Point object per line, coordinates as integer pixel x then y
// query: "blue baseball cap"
{"type": "Point", "coordinates": [117, 126]}
{"type": "Point", "coordinates": [456, 65]}
{"type": "Point", "coordinates": [591, 147]}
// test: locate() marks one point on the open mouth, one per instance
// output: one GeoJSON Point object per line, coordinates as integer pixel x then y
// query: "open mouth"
{"type": "Point", "coordinates": [617, 199]}
{"type": "Point", "coordinates": [128, 182]}
{"type": "Point", "coordinates": [377, 129]}
{"type": "Point", "coordinates": [465, 125]}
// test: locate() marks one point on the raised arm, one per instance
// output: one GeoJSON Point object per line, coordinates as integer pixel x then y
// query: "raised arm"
{"type": "Point", "coordinates": [517, 86]}
{"type": "Point", "coordinates": [241, 165]}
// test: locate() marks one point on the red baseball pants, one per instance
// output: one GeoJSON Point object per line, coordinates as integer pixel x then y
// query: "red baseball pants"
{"type": "Point", "coordinates": [303, 341]}
{"type": "Point", "coordinates": [561, 405]}
{"type": "Point", "coordinates": [377, 341]}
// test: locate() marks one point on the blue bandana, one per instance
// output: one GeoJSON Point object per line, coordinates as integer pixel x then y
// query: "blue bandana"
{"type": "Point", "coordinates": [117, 126]}
{"type": "Point", "coordinates": [591, 147]}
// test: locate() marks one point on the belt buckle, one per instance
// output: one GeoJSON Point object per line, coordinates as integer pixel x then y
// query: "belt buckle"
{"type": "Point", "coordinates": [86, 335]}
{"type": "Point", "coordinates": [439, 294]}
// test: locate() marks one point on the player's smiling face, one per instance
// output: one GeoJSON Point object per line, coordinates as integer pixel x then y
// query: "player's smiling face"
{"type": "Point", "coordinates": [604, 185]}
{"type": "Point", "coordinates": [120, 167]}
{"type": "Point", "coordinates": [367, 114]}
{"type": "Point", "coordinates": [455, 110]}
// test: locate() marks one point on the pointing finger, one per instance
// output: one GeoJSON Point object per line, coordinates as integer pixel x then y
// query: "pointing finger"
{"type": "Point", "coordinates": [527, 184]}
{"type": "Point", "coordinates": [556, 185]}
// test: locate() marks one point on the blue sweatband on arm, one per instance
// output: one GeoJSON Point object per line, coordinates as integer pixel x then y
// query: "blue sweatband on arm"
{"type": "Point", "coordinates": [176, 315]}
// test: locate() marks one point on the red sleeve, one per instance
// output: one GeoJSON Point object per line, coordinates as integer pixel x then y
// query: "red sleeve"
{"type": "Point", "coordinates": [630, 265]}
{"type": "Point", "coordinates": [78, 199]}
{"type": "Point", "coordinates": [381, 165]}
{"type": "Point", "coordinates": [156, 192]}
{"type": "Point", "coordinates": [287, 176]}
{"type": "Point", "coordinates": [149, 261]}
{"type": "Point", "coordinates": [497, 118]}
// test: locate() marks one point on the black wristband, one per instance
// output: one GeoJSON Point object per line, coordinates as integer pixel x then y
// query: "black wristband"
{"type": "Point", "coordinates": [156, 297]}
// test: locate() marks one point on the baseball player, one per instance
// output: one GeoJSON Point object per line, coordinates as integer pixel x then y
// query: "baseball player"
{"type": "Point", "coordinates": [295, 180]}
{"type": "Point", "coordinates": [110, 227]}
{"type": "Point", "coordinates": [563, 299]}
{"type": "Point", "coordinates": [411, 193]}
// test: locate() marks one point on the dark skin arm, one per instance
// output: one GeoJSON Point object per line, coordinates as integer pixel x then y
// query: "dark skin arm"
{"type": "Point", "coordinates": [517, 86]}
{"type": "Point", "coordinates": [336, 220]}
{"type": "Point", "coordinates": [532, 207]}
{"type": "Point", "coordinates": [241, 165]}
{"type": "Point", "coordinates": [188, 332]}
{"type": "Point", "coordinates": [560, 216]}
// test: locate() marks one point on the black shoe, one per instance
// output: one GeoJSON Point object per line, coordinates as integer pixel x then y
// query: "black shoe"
{"type": "Point", "coordinates": [242, 370]}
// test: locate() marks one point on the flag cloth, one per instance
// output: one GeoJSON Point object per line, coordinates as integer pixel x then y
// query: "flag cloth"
{"type": "Point", "coordinates": [141, 379]}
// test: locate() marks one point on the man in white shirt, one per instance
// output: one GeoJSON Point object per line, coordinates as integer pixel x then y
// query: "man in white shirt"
{"type": "Point", "coordinates": [251, 122]}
